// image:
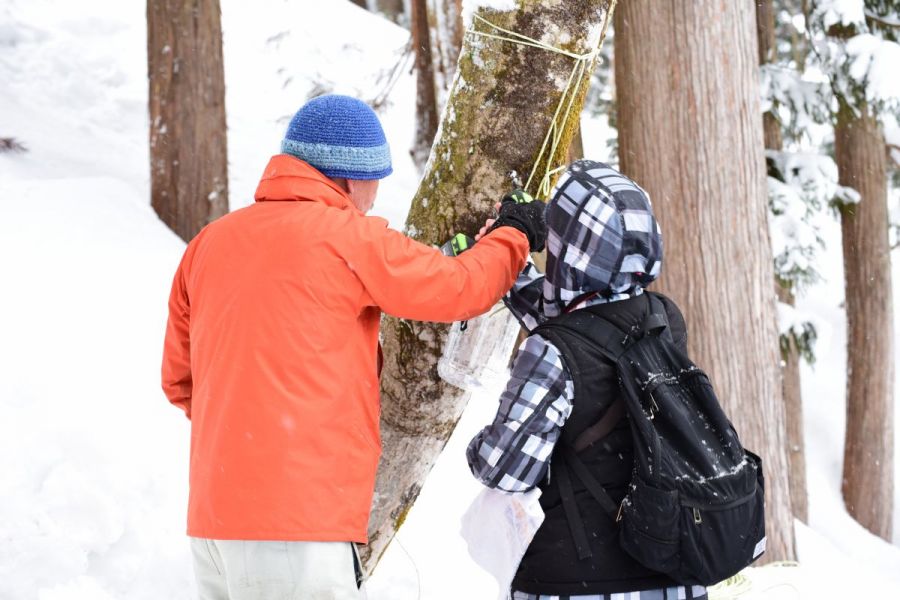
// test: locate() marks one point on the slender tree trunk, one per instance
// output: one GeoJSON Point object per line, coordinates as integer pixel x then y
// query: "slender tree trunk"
{"type": "Point", "coordinates": [576, 148]}
{"type": "Point", "coordinates": [868, 452]}
{"type": "Point", "coordinates": [426, 97]}
{"type": "Point", "coordinates": [790, 366]}
{"type": "Point", "coordinates": [448, 33]}
{"type": "Point", "coordinates": [394, 10]}
{"type": "Point", "coordinates": [690, 133]}
{"type": "Point", "coordinates": [188, 150]}
{"type": "Point", "coordinates": [793, 419]}
{"type": "Point", "coordinates": [500, 110]}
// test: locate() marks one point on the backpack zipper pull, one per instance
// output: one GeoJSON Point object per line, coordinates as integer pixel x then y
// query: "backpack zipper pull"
{"type": "Point", "coordinates": [621, 510]}
{"type": "Point", "coordinates": [697, 518]}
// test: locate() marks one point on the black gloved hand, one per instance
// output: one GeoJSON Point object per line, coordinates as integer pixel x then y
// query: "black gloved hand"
{"type": "Point", "coordinates": [518, 209]}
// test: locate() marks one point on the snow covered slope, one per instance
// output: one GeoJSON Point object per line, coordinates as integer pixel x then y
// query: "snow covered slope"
{"type": "Point", "coordinates": [93, 471]}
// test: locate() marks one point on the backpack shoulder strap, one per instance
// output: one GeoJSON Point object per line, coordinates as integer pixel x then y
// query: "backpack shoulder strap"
{"type": "Point", "coordinates": [612, 341]}
{"type": "Point", "coordinates": [602, 428]}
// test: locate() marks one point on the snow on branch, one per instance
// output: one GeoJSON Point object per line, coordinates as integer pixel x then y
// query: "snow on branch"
{"type": "Point", "coordinates": [882, 20]}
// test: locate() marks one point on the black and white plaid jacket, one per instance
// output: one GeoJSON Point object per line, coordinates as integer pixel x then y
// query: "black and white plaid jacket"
{"type": "Point", "coordinates": [602, 238]}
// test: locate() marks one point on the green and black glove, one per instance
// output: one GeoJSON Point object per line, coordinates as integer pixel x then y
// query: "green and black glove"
{"type": "Point", "coordinates": [520, 210]}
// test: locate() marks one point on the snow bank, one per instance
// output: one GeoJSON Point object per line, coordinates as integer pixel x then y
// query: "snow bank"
{"type": "Point", "coordinates": [93, 486]}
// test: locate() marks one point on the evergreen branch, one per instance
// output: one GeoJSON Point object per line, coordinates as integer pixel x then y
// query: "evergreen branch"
{"type": "Point", "coordinates": [886, 21]}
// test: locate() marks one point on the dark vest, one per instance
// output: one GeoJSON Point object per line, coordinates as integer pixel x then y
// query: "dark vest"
{"type": "Point", "coordinates": [551, 564]}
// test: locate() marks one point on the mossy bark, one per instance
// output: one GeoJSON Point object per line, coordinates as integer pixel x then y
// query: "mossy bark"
{"type": "Point", "coordinates": [501, 105]}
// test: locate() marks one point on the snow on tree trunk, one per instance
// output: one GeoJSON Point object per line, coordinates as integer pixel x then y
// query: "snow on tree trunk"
{"type": "Point", "coordinates": [790, 369]}
{"type": "Point", "coordinates": [690, 132]}
{"type": "Point", "coordinates": [188, 156]}
{"type": "Point", "coordinates": [868, 451]}
{"type": "Point", "coordinates": [499, 110]}
{"type": "Point", "coordinates": [426, 96]}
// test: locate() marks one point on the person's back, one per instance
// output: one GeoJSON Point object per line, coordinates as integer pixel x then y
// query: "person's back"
{"type": "Point", "coordinates": [272, 351]}
{"type": "Point", "coordinates": [276, 318]}
{"type": "Point", "coordinates": [604, 248]}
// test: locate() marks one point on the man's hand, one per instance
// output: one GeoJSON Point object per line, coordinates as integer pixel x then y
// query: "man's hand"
{"type": "Point", "coordinates": [487, 225]}
{"type": "Point", "coordinates": [518, 209]}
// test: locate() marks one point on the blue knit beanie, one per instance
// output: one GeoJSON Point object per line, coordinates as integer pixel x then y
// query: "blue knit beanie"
{"type": "Point", "coordinates": [341, 137]}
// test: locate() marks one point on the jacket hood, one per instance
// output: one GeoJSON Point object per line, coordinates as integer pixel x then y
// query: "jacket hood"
{"type": "Point", "coordinates": [602, 237]}
{"type": "Point", "coordinates": [289, 178]}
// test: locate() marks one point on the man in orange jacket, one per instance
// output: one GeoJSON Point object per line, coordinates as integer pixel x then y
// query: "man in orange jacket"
{"type": "Point", "coordinates": [272, 351]}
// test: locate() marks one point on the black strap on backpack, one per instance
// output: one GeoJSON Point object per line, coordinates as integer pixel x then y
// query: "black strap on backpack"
{"type": "Point", "coordinates": [613, 342]}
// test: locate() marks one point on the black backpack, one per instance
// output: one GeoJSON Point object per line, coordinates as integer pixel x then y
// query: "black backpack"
{"type": "Point", "coordinates": [695, 505]}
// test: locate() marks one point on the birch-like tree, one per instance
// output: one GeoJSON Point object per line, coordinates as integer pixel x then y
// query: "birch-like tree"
{"type": "Point", "coordinates": [188, 149]}
{"type": "Point", "coordinates": [499, 112]}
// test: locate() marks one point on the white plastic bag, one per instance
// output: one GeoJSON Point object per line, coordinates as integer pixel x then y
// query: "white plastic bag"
{"type": "Point", "coordinates": [498, 527]}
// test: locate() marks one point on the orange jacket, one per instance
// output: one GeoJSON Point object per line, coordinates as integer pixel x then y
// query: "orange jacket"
{"type": "Point", "coordinates": [271, 350]}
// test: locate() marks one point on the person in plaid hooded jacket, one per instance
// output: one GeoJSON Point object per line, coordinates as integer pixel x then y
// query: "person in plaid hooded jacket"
{"type": "Point", "coordinates": [604, 247]}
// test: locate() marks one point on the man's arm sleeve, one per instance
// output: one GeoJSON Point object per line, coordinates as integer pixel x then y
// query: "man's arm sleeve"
{"type": "Point", "coordinates": [177, 382]}
{"type": "Point", "coordinates": [410, 280]}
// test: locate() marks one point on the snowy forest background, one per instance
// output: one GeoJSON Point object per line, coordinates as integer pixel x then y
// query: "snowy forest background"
{"type": "Point", "coordinates": [94, 462]}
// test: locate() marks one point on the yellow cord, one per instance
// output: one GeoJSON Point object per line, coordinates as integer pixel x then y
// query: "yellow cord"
{"type": "Point", "coordinates": [584, 65]}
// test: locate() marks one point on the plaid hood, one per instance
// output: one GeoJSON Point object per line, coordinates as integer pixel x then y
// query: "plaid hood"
{"type": "Point", "coordinates": [602, 237]}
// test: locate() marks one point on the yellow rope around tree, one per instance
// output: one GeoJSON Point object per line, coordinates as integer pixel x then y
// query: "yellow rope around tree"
{"type": "Point", "coordinates": [584, 66]}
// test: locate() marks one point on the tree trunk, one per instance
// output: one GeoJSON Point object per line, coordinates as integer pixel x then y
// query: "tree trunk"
{"type": "Point", "coordinates": [790, 366]}
{"type": "Point", "coordinates": [576, 148]}
{"type": "Point", "coordinates": [426, 97]}
{"type": "Point", "coordinates": [690, 133]}
{"type": "Point", "coordinates": [499, 112]}
{"type": "Point", "coordinates": [868, 452]}
{"type": "Point", "coordinates": [793, 420]}
{"type": "Point", "coordinates": [392, 9]}
{"type": "Point", "coordinates": [448, 34]}
{"type": "Point", "coordinates": [188, 150]}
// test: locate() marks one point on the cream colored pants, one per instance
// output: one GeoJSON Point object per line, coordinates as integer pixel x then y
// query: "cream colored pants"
{"type": "Point", "coordinates": [250, 570]}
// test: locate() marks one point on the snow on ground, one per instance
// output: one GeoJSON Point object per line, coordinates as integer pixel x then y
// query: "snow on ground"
{"type": "Point", "coordinates": [94, 468]}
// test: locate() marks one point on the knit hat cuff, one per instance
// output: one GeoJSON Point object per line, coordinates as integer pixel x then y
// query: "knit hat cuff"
{"type": "Point", "coordinates": [350, 162]}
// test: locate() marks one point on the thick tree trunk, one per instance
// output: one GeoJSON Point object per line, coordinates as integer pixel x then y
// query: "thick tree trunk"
{"type": "Point", "coordinates": [188, 151]}
{"type": "Point", "coordinates": [790, 366]}
{"type": "Point", "coordinates": [499, 111]}
{"type": "Point", "coordinates": [426, 96]}
{"type": "Point", "coordinates": [690, 133]}
{"type": "Point", "coordinates": [868, 452]}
